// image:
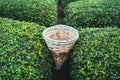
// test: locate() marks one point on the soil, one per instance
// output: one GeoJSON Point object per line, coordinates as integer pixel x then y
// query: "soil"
{"type": "Point", "coordinates": [60, 13]}
{"type": "Point", "coordinates": [63, 73]}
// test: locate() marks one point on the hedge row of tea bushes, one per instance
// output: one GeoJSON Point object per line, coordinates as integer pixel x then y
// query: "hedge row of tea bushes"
{"type": "Point", "coordinates": [92, 13]}
{"type": "Point", "coordinates": [65, 2]}
{"type": "Point", "coordinates": [43, 12]}
{"type": "Point", "coordinates": [23, 55]}
{"type": "Point", "coordinates": [96, 55]}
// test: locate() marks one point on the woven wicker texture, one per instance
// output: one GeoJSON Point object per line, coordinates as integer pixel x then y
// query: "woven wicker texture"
{"type": "Point", "coordinates": [60, 39]}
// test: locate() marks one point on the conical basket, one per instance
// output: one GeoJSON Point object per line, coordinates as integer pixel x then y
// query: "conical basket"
{"type": "Point", "coordinates": [60, 39]}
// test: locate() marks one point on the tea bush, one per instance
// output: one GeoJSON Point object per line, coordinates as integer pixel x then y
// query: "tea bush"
{"type": "Point", "coordinates": [65, 2]}
{"type": "Point", "coordinates": [96, 55]}
{"type": "Point", "coordinates": [43, 12]}
{"type": "Point", "coordinates": [23, 55]}
{"type": "Point", "coordinates": [92, 13]}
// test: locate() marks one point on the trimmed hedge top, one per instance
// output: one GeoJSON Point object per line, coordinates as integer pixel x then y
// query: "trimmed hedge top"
{"type": "Point", "coordinates": [65, 2]}
{"type": "Point", "coordinates": [43, 12]}
{"type": "Point", "coordinates": [96, 55]}
{"type": "Point", "coordinates": [23, 55]}
{"type": "Point", "coordinates": [93, 13]}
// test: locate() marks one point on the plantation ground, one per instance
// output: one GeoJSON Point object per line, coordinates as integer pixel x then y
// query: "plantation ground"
{"type": "Point", "coordinates": [24, 54]}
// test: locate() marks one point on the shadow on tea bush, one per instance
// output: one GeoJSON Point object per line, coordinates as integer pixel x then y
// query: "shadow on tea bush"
{"type": "Point", "coordinates": [23, 55]}
{"type": "Point", "coordinates": [65, 2]}
{"type": "Point", "coordinates": [96, 55]}
{"type": "Point", "coordinates": [92, 13]}
{"type": "Point", "coordinates": [43, 12]}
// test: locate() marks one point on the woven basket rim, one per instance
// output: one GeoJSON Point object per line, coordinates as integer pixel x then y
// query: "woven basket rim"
{"type": "Point", "coordinates": [64, 27]}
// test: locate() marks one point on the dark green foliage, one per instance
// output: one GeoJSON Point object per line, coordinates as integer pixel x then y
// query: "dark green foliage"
{"type": "Point", "coordinates": [93, 13]}
{"type": "Point", "coordinates": [43, 12]}
{"type": "Point", "coordinates": [65, 2]}
{"type": "Point", "coordinates": [96, 55]}
{"type": "Point", "coordinates": [23, 55]}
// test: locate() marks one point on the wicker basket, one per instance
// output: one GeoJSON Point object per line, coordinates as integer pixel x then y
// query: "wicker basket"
{"type": "Point", "coordinates": [60, 39]}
